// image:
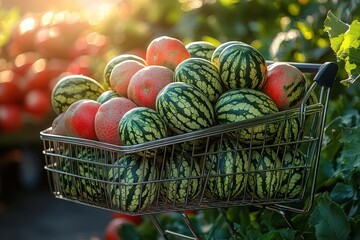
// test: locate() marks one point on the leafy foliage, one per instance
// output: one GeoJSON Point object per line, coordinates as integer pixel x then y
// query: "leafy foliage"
{"type": "Point", "coordinates": [345, 42]}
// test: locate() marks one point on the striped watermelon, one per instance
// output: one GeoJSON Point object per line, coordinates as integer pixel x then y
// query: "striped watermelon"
{"type": "Point", "coordinates": [91, 170]}
{"type": "Point", "coordinates": [264, 174]}
{"type": "Point", "coordinates": [242, 66]}
{"type": "Point", "coordinates": [202, 74]}
{"type": "Point", "coordinates": [131, 188]}
{"type": "Point", "coordinates": [72, 88]}
{"type": "Point", "coordinates": [200, 49]}
{"type": "Point", "coordinates": [216, 54]}
{"type": "Point", "coordinates": [106, 96]}
{"type": "Point", "coordinates": [241, 104]}
{"type": "Point", "coordinates": [67, 182]}
{"type": "Point", "coordinates": [116, 60]}
{"type": "Point", "coordinates": [293, 176]}
{"type": "Point", "coordinates": [140, 125]}
{"type": "Point", "coordinates": [184, 108]}
{"type": "Point", "coordinates": [181, 173]}
{"type": "Point", "coordinates": [289, 130]}
{"type": "Point", "coordinates": [226, 164]}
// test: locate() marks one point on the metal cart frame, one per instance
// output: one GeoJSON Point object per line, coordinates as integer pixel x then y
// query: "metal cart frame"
{"type": "Point", "coordinates": [86, 180]}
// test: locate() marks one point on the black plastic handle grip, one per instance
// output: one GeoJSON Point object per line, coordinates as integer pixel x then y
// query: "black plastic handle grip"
{"type": "Point", "coordinates": [326, 74]}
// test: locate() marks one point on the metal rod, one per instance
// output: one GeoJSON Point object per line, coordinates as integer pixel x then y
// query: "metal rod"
{"type": "Point", "coordinates": [188, 223]}
{"type": "Point", "coordinates": [157, 226]}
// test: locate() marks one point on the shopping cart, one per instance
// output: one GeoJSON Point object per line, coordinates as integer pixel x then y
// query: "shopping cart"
{"type": "Point", "coordinates": [90, 172]}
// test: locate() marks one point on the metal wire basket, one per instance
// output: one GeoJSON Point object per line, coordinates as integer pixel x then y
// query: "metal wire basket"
{"type": "Point", "coordinates": [90, 172]}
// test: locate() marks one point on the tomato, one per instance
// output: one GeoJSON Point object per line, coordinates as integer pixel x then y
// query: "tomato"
{"type": "Point", "coordinates": [137, 220]}
{"type": "Point", "coordinates": [37, 102]}
{"type": "Point", "coordinates": [10, 118]}
{"type": "Point", "coordinates": [111, 230]}
{"type": "Point", "coordinates": [9, 89]}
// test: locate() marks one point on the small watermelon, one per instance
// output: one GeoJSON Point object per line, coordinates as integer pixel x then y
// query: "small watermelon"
{"type": "Point", "coordinates": [67, 166]}
{"type": "Point", "coordinates": [241, 104]}
{"type": "Point", "coordinates": [289, 130]}
{"type": "Point", "coordinates": [264, 174]}
{"type": "Point", "coordinates": [226, 163]}
{"type": "Point", "coordinates": [140, 125]}
{"type": "Point", "coordinates": [293, 176]}
{"type": "Point", "coordinates": [131, 184]}
{"type": "Point", "coordinates": [72, 88]}
{"type": "Point", "coordinates": [242, 66]}
{"type": "Point", "coordinates": [184, 107]}
{"type": "Point", "coordinates": [200, 49]}
{"type": "Point", "coordinates": [216, 54]}
{"type": "Point", "coordinates": [92, 171]}
{"type": "Point", "coordinates": [202, 74]}
{"type": "Point", "coordinates": [181, 173]}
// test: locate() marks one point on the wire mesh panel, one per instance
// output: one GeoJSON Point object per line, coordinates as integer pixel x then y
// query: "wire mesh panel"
{"type": "Point", "coordinates": [209, 168]}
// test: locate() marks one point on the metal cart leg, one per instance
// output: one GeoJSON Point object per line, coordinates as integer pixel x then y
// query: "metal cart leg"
{"type": "Point", "coordinates": [157, 226]}
{"type": "Point", "coordinates": [166, 232]}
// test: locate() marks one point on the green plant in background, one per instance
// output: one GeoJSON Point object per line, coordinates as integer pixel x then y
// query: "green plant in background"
{"type": "Point", "coordinates": [345, 42]}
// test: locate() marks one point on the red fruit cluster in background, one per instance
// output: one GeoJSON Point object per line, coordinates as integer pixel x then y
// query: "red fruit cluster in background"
{"type": "Point", "coordinates": [42, 48]}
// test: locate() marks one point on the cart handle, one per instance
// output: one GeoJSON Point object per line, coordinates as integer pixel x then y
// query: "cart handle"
{"type": "Point", "coordinates": [326, 74]}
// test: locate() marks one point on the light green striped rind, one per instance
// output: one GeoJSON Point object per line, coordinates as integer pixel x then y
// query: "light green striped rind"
{"type": "Point", "coordinates": [241, 104]}
{"type": "Point", "coordinates": [140, 125]}
{"type": "Point", "coordinates": [293, 175]}
{"type": "Point", "coordinates": [289, 130]}
{"type": "Point", "coordinates": [202, 74]}
{"type": "Point", "coordinates": [226, 165]}
{"type": "Point", "coordinates": [216, 54]}
{"type": "Point", "coordinates": [182, 175]}
{"type": "Point", "coordinates": [184, 107]}
{"type": "Point", "coordinates": [242, 66]}
{"type": "Point", "coordinates": [91, 171]}
{"type": "Point", "coordinates": [73, 88]}
{"type": "Point", "coordinates": [200, 49]}
{"type": "Point", "coordinates": [67, 182]}
{"type": "Point", "coordinates": [131, 186]}
{"type": "Point", "coordinates": [264, 174]}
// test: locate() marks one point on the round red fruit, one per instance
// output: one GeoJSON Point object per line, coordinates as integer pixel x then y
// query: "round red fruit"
{"type": "Point", "coordinates": [108, 117]}
{"type": "Point", "coordinates": [146, 83]}
{"type": "Point", "coordinates": [80, 117]}
{"type": "Point", "coordinates": [58, 126]}
{"type": "Point", "coordinates": [166, 51]}
{"type": "Point", "coordinates": [121, 74]}
{"type": "Point", "coordinates": [10, 118]}
{"type": "Point", "coordinates": [285, 85]}
{"type": "Point", "coordinates": [37, 102]}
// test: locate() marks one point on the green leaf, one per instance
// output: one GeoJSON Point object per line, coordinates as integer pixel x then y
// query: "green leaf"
{"type": "Point", "coordinates": [280, 234]}
{"type": "Point", "coordinates": [351, 141]}
{"type": "Point", "coordinates": [345, 42]}
{"type": "Point", "coordinates": [342, 192]}
{"type": "Point", "coordinates": [336, 30]}
{"type": "Point", "coordinates": [329, 220]}
{"type": "Point", "coordinates": [355, 227]}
